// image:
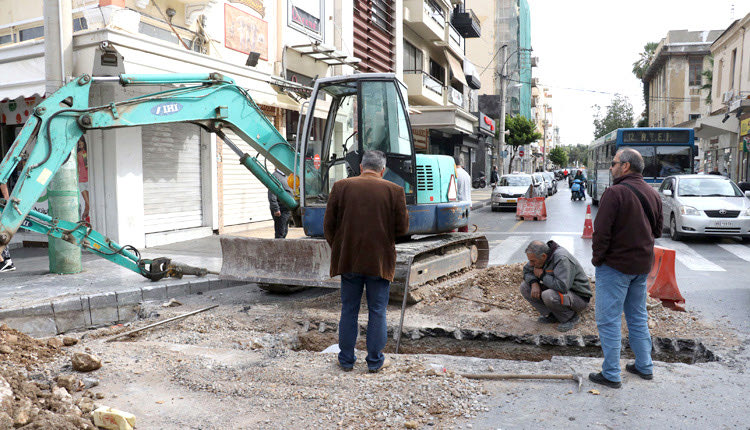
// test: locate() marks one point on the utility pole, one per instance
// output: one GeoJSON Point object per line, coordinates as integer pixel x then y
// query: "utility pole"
{"type": "Point", "coordinates": [62, 190]}
{"type": "Point", "coordinates": [503, 86]}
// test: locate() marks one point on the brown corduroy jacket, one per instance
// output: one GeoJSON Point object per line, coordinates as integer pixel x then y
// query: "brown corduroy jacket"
{"type": "Point", "coordinates": [363, 217]}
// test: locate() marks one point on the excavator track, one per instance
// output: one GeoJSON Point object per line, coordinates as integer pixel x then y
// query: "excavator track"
{"type": "Point", "coordinates": [286, 266]}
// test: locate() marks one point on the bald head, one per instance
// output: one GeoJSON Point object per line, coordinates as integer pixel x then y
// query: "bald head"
{"type": "Point", "coordinates": [630, 155]}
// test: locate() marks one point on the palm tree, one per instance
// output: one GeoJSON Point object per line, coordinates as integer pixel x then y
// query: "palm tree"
{"type": "Point", "coordinates": [708, 74]}
{"type": "Point", "coordinates": [639, 69]}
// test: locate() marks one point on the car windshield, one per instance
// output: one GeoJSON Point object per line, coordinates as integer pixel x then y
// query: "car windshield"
{"type": "Point", "coordinates": [515, 181]}
{"type": "Point", "coordinates": [700, 187]}
{"type": "Point", "coordinates": [548, 176]}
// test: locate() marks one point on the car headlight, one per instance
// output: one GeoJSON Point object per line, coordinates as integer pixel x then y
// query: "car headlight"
{"type": "Point", "coordinates": [689, 210]}
{"type": "Point", "coordinates": [747, 212]}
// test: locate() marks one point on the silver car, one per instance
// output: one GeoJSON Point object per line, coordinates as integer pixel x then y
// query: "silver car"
{"type": "Point", "coordinates": [704, 205]}
{"type": "Point", "coordinates": [543, 189]}
{"type": "Point", "coordinates": [506, 193]}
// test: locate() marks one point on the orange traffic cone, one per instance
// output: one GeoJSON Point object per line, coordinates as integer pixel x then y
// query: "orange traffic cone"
{"type": "Point", "coordinates": [588, 227]}
{"type": "Point", "coordinates": [662, 283]}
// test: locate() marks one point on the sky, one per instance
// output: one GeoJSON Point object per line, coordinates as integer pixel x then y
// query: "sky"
{"type": "Point", "coordinates": [587, 48]}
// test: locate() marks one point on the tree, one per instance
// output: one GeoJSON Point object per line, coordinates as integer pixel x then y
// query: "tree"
{"type": "Point", "coordinates": [577, 154]}
{"type": "Point", "coordinates": [619, 115]}
{"type": "Point", "coordinates": [522, 132]}
{"type": "Point", "coordinates": [639, 69]}
{"type": "Point", "coordinates": [558, 156]}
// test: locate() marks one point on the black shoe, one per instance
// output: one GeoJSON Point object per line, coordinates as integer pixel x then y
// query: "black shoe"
{"type": "Point", "coordinates": [549, 319]}
{"type": "Point", "coordinates": [7, 266]}
{"type": "Point", "coordinates": [631, 368]}
{"type": "Point", "coordinates": [600, 379]}
{"type": "Point", "coordinates": [569, 324]}
{"type": "Point", "coordinates": [345, 368]}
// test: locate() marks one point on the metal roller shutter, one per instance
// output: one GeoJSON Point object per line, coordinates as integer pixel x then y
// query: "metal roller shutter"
{"type": "Point", "coordinates": [171, 177]}
{"type": "Point", "coordinates": [245, 198]}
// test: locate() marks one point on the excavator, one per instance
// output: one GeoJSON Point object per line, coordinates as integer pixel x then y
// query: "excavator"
{"type": "Point", "coordinates": [362, 112]}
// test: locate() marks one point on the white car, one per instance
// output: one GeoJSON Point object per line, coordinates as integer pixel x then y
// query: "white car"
{"type": "Point", "coordinates": [704, 205]}
{"type": "Point", "coordinates": [506, 193]}
{"type": "Point", "coordinates": [543, 189]}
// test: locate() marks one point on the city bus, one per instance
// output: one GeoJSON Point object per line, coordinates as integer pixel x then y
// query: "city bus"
{"type": "Point", "coordinates": [666, 151]}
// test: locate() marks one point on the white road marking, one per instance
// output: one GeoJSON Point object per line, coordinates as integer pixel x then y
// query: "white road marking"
{"type": "Point", "coordinates": [689, 257]}
{"type": "Point", "coordinates": [526, 233]}
{"type": "Point", "coordinates": [503, 252]}
{"type": "Point", "coordinates": [566, 242]}
{"type": "Point", "coordinates": [740, 251]}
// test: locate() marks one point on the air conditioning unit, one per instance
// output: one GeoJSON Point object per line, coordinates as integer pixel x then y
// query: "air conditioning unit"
{"type": "Point", "coordinates": [728, 96]}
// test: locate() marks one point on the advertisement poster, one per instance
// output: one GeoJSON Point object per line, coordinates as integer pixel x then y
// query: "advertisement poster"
{"type": "Point", "coordinates": [244, 32]}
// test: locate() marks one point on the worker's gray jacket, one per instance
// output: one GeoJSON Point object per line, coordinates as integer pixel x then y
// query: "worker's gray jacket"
{"type": "Point", "coordinates": [562, 272]}
{"type": "Point", "coordinates": [273, 201]}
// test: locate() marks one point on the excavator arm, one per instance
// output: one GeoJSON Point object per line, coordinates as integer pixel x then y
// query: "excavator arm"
{"type": "Point", "coordinates": [212, 101]}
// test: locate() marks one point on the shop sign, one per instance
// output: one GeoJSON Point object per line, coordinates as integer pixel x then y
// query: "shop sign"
{"type": "Point", "coordinates": [244, 32]}
{"type": "Point", "coordinates": [745, 127]}
{"type": "Point", "coordinates": [305, 19]}
{"type": "Point", "coordinates": [486, 123]}
{"type": "Point", "coordinates": [745, 143]}
{"type": "Point", "coordinates": [256, 5]}
{"type": "Point", "coordinates": [316, 161]}
{"type": "Point", "coordinates": [17, 112]}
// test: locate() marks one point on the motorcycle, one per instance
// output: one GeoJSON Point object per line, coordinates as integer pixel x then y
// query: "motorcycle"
{"type": "Point", "coordinates": [480, 181]}
{"type": "Point", "coordinates": [577, 191]}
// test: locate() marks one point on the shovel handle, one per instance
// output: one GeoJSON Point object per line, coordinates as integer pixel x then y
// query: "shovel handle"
{"type": "Point", "coordinates": [516, 376]}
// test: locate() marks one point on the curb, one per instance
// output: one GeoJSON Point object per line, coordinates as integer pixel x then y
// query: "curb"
{"type": "Point", "coordinates": [480, 204]}
{"type": "Point", "coordinates": [75, 313]}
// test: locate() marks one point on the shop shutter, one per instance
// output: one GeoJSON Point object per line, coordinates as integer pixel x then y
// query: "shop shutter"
{"type": "Point", "coordinates": [245, 198]}
{"type": "Point", "coordinates": [171, 177]}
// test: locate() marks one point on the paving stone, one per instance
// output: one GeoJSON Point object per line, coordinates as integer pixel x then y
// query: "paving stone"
{"type": "Point", "coordinates": [178, 290]}
{"type": "Point", "coordinates": [155, 292]}
{"type": "Point", "coordinates": [103, 308]}
{"type": "Point", "coordinates": [129, 297]}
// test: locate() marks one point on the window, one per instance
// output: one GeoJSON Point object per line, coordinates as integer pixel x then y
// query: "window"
{"type": "Point", "coordinates": [412, 58]}
{"type": "Point", "coordinates": [31, 33]}
{"type": "Point", "coordinates": [8, 38]}
{"type": "Point", "coordinates": [695, 68]}
{"type": "Point", "coordinates": [436, 12]}
{"type": "Point", "coordinates": [383, 119]}
{"type": "Point", "coordinates": [437, 71]}
{"type": "Point", "coordinates": [694, 116]}
{"type": "Point", "coordinates": [381, 15]}
{"type": "Point", "coordinates": [80, 24]}
{"type": "Point", "coordinates": [734, 64]}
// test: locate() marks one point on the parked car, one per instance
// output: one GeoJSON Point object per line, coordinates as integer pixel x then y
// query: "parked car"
{"type": "Point", "coordinates": [549, 177]}
{"type": "Point", "coordinates": [540, 178]}
{"type": "Point", "coordinates": [704, 205]}
{"type": "Point", "coordinates": [511, 187]}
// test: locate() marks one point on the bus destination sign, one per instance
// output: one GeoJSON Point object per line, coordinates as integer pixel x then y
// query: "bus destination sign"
{"type": "Point", "coordinates": [655, 136]}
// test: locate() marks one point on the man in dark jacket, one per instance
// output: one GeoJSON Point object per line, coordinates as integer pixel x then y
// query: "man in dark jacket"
{"type": "Point", "coordinates": [628, 221]}
{"type": "Point", "coordinates": [279, 211]}
{"type": "Point", "coordinates": [363, 217]}
{"type": "Point", "coordinates": [555, 283]}
{"type": "Point", "coordinates": [494, 176]}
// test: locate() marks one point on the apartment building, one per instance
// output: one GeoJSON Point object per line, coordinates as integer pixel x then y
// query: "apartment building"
{"type": "Point", "coordinates": [158, 184]}
{"type": "Point", "coordinates": [541, 114]}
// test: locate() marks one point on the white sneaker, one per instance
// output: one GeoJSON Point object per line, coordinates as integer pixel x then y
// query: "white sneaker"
{"type": "Point", "coordinates": [7, 266]}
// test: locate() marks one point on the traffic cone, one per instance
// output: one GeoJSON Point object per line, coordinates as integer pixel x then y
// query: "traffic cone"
{"type": "Point", "coordinates": [588, 227]}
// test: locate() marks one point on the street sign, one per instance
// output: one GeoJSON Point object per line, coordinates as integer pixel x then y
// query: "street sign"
{"type": "Point", "coordinates": [316, 161]}
{"type": "Point", "coordinates": [520, 153]}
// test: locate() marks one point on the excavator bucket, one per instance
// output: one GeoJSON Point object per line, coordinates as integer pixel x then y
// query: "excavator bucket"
{"type": "Point", "coordinates": [277, 265]}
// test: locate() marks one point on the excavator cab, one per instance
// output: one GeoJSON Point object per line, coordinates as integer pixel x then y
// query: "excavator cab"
{"type": "Point", "coordinates": [364, 112]}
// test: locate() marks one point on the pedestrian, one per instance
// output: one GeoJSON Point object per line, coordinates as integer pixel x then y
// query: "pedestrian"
{"type": "Point", "coordinates": [6, 263]}
{"type": "Point", "coordinates": [83, 177]}
{"type": "Point", "coordinates": [363, 217]}
{"type": "Point", "coordinates": [494, 176]}
{"type": "Point", "coordinates": [555, 283]}
{"type": "Point", "coordinates": [463, 188]}
{"type": "Point", "coordinates": [627, 222]}
{"type": "Point", "coordinates": [279, 211]}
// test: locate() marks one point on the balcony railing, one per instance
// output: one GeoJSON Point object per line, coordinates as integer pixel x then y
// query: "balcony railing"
{"type": "Point", "coordinates": [455, 39]}
{"type": "Point", "coordinates": [466, 22]}
{"type": "Point", "coordinates": [432, 84]}
{"type": "Point", "coordinates": [436, 14]}
{"type": "Point", "coordinates": [456, 97]}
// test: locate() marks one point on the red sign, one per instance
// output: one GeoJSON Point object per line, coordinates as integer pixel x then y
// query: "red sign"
{"type": "Point", "coordinates": [316, 161]}
{"type": "Point", "coordinates": [520, 153]}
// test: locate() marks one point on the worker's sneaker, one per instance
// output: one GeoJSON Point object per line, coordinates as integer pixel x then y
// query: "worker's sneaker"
{"type": "Point", "coordinates": [345, 368]}
{"type": "Point", "coordinates": [631, 368]}
{"type": "Point", "coordinates": [549, 319]}
{"type": "Point", "coordinates": [569, 324]}
{"type": "Point", "coordinates": [600, 379]}
{"type": "Point", "coordinates": [7, 266]}
{"type": "Point", "coordinates": [386, 363]}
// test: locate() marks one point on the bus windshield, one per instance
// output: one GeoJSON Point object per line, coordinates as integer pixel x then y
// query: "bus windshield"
{"type": "Point", "coordinates": [662, 161]}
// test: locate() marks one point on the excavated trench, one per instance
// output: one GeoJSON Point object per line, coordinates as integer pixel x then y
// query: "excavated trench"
{"type": "Point", "coordinates": [507, 346]}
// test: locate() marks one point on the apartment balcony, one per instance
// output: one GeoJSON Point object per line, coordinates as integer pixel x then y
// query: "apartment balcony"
{"type": "Point", "coordinates": [467, 23]}
{"type": "Point", "coordinates": [427, 21]}
{"type": "Point", "coordinates": [455, 41]}
{"type": "Point", "coordinates": [423, 89]}
{"type": "Point", "coordinates": [454, 97]}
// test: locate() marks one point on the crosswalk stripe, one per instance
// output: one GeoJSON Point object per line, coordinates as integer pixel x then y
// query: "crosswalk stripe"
{"type": "Point", "coordinates": [740, 251]}
{"type": "Point", "coordinates": [503, 252]}
{"type": "Point", "coordinates": [690, 258]}
{"type": "Point", "coordinates": [567, 242]}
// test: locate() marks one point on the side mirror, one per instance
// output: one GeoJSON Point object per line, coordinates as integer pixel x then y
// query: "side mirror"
{"type": "Point", "coordinates": [667, 193]}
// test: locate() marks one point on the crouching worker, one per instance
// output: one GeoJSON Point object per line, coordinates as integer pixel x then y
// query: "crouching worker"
{"type": "Point", "coordinates": [555, 284]}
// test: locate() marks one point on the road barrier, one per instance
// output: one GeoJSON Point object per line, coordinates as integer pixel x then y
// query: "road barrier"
{"type": "Point", "coordinates": [661, 281]}
{"type": "Point", "coordinates": [588, 227]}
{"type": "Point", "coordinates": [531, 208]}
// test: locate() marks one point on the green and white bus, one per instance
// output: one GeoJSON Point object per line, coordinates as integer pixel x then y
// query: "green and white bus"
{"type": "Point", "coordinates": [665, 151]}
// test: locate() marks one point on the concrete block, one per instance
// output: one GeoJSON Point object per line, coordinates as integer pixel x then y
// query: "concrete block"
{"type": "Point", "coordinates": [38, 310]}
{"type": "Point", "coordinates": [154, 292]}
{"type": "Point", "coordinates": [10, 313]}
{"type": "Point", "coordinates": [38, 326]}
{"type": "Point", "coordinates": [215, 284]}
{"type": "Point", "coordinates": [129, 297]}
{"type": "Point", "coordinates": [127, 313]}
{"type": "Point", "coordinates": [178, 290]}
{"type": "Point", "coordinates": [199, 286]}
{"type": "Point", "coordinates": [69, 315]}
{"type": "Point", "coordinates": [103, 308]}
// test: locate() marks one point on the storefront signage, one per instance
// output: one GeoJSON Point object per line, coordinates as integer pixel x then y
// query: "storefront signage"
{"type": "Point", "coordinates": [745, 127]}
{"type": "Point", "coordinates": [244, 32]}
{"type": "Point", "coordinates": [305, 19]}
{"type": "Point", "coordinates": [256, 5]}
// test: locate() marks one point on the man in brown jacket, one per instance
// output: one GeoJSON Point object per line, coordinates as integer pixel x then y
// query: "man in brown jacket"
{"type": "Point", "coordinates": [627, 222]}
{"type": "Point", "coordinates": [363, 217]}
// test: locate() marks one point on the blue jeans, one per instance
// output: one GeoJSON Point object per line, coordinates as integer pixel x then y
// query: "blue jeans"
{"type": "Point", "coordinates": [377, 290]}
{"type": "Point", "coordinates": [617, 292]}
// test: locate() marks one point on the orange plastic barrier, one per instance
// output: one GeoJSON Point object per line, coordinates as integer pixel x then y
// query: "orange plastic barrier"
{"type": "Point", "coordinates": [532, 208]}
{"type": "Point", "coordinates": [588, 227]}
{"type": "Point", "coordinates": [661, 281]}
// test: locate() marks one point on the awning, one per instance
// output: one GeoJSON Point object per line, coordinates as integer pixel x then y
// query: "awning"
{"type": "Point", "coordinates": [22, 78]}
{"type": "Point", "coordinates": [708, 127]}
{"type": "Point", "coordinates": [456, 69]}
{"type": "Point", "coordinates": [327, 54]}
{"type": "Point", "coordinates": [472, 77]}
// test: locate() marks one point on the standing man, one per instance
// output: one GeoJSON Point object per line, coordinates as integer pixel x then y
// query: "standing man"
{"type": "Point", "coordinates": [463, 188]}
{"type": "Point", "coordinates": [363, 217]}
{"type": "Point", "coordinates": [494, 176]}
{"type": "Point", "coordinates": [628, 221]}
{"type": "Point", "coordinates": [6, 264]}
{"type": "Point", "coordinates": [280, 212]}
